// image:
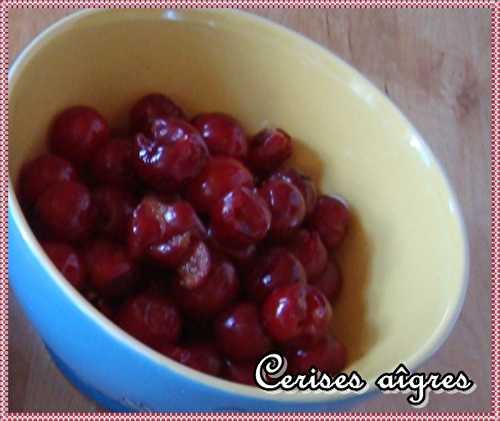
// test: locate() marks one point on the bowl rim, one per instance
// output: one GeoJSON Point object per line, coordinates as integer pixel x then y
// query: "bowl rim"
{"type": "Point", "coordinates": [422, 354]}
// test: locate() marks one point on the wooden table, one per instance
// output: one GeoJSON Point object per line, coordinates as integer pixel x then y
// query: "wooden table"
{"type": "Point", "coordinates": [435, 65]}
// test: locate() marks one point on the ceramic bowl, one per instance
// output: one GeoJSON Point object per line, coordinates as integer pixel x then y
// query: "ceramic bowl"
{"type": "Point", "coordinates": [405, 261]}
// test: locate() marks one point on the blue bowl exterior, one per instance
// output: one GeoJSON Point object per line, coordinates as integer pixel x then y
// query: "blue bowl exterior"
{"type": "Point", "coordinates": [107, 369]}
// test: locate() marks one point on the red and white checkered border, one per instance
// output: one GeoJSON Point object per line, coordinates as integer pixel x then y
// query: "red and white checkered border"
{"type": "Point", "coordinates": [494, 7]}
{"type": "Point", "coordinates": [263, 4]}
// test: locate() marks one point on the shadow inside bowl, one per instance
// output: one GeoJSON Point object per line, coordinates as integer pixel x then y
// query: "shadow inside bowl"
{"type": "Point", "coordinates": [351, 323]}
{"type": "Point", "coordinates": [307, 160]}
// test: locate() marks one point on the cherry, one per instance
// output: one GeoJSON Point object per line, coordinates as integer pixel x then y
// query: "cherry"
{"type": "Point", "coordinates": [286, 204]}
{"type": "Point", "coordinates": [240, 218]}
{"type": "Point", "coordinates": [239, 371]}
{"type": "Point", "coordinates": [269, 149]}
{"type": "Point", "coordinates": [114, 210]}
{"type": "Point", "coordinates": [151, 107]}
{"type": "Point", "coordinates": [223, 134]}
{"type": "Point", "coordinates": [42, 172]}
{"type": "Point", "coordinates": [274, 269]}
{"type": "Point", "coordinates": [148, 226]}
{"type": "Point", "coordinates": [240, 255]}
{"type": "Point", "coordinates": [181, 217]}
{"type": "Point", "coordinates": [201, 357]}
{"type": "Point", "coordinates": [111, 272]}
{"type": "Point", "coordinates": [66, 212]}
{"type": "Point", "coordinates": [213, 296]}
{"type": "Point", "coordinates": [239, 333]}
{"type": "Point", "coordinates": [170, 155]}
{"type": "Point", "coordinates": [330, 281]}
{"type": "Point", "coordinates": [330, 218]}
{"type": "Point", "coordinates": [173, 251]}
{"type": "Point", "coordinates": [309, 249]}
{"type": "Point", "coordinates": [298, 313]}
{"type": "Point", "coordinates": [329, 356]}
{"type": "Point", "coordinates": [163, 197]}
{"type": "Point", "coordinates": [68, 261]}
{"type": "Point", "coordinates": [194, 270]}
{"type": "Point", "coordinates": [113, 165]}
{"type": "Point", "coordinates": [220, 176]}
{"type": "Point", "coordinates": [303, 183]}
{"type": "Point", "coordinates": [151, 318]}
{"type": "Point", "coordinates": [165, 233]}
{"type": "Point", "coordinates": [319, 316]}
{"type": "Point", "coordinates": [77, 134]}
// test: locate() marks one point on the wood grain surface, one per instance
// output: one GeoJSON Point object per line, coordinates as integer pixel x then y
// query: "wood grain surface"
{"type": "Point", "coordinates": [435, 65]}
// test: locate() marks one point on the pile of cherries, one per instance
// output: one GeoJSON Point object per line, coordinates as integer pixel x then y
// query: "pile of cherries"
{"type": "Point", "coordinates": [191, 236]}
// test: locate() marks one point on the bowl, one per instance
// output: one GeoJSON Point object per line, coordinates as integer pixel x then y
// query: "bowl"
{"type": "Point", "coordinates": [405, 261]}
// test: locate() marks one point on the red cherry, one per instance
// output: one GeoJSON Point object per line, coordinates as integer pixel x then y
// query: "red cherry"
{"type": "Point", "coordinates": [173, 251]}
{"type": "Point", "coordinates": [309, 249]}
{"type": "Point", "coordinates": [239, 371]}
{"type": "Point", "coordinates": [274, 269]}
{"type": "Point", "coordinates": [213, 296]}
{"type": "Point", "coordinates": [220, 176]}
{"type": "Point", "coordinates": [330, 281]}
{"type": "Point", "coordinates": [114, 210]}
{"type": "Point", "coordinates": [328, 356]}
{"type": "Point", "coordinates": [193, 272]}
{"type": "Point", "coordinates": [201, 357]}
{"type": "Point", "coordinates": [151, 107]}
{"type": "Point", "coordinates": [112, 164]}
{"type": "Point", "coordinates": [303, 183]}
{"type": "Point", "coordinates": [298, 313]}
{"type": "Point", "coordinates": [42, 172]}
{"type": "Point", "coordinates": [269, 149]}
{"type": "Point", "coordinates": [330, 218]}
{"type": "Point", "coordinates": [65, 210]}
{"type": "Point", "coordinates": [163, 197]}
{"type": "Point", "coordinates": [171, 155]}
{"type": "Point", "coordinates": [284, 312]}
{"type": "Point", "coordinates": [239, 255]}
{"type": "Point", "coordinates": [148, 226]}
{"type": "Point", "coordinates": [165, 233]}
{"type": "Point", "coordinates": [319, 316]}
{"type": "Point", "coordinates": [68, 261]}
{"type": "Point", "coordinates": [77, 134]}
{"type": "Point", "coordinates": [223, 134]}
{"type": "Point", "coordinates": [111, 272]}
{"type": "Point", "coordinates": [239, 333]}
{"type": "Point", "coordinates": [181, 217]}
{"type": "Point", "coordinates": [151, 318]}
{"type": "Point", "coordinates": [287, 207]}
{"type": "Point", "coordinates": [240, 218]}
